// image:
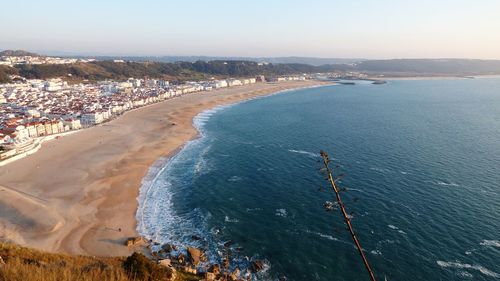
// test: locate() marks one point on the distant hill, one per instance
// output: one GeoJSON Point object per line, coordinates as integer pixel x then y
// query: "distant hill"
{"type": "Point", "coordinates": [276, 60]}
{"type": "Point", "coordinates": [18, 53]}
{"type": "Point", "coordinates": [180, 71]}
{"type": "Point", "coordinates": [430, 66]}
{"type": "Point", "coordinates": [196, 68]}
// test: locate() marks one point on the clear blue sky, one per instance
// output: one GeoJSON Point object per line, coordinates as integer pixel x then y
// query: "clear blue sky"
{"type": "Point", "coordinates": [320, 28]}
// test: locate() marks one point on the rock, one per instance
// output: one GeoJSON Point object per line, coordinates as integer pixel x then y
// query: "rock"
{"type": "Point", "coordinates": [135, 241]}
{"type": "Point", "coordinates": [165, 262]}
{"type": "Point", "coordinates": [235, 274]}
{"type": "Point", "coordinates": [166, 247]}
{"type": "Point", "coordinates": [209, 276]}
{"type": "Point", "coordinates": [214, 268]}
{"type": "Point", "coordinates": [181, 259]}
{"type": "Point", "coordinates": [174, 274]}
{"type": "Point", "coordinates": [129, 242]}
{"type": "Point", "coordinates": [257, 266]}
{"type": "Point", "coordinates": [139, 241]}
{"type": "Point", "coordinates": [195, 255]}
{"type": "Point", "coordinates": [2, 262]}
{"type": "Point", "coordinates": [190, 270]}
{"type": "Point", "coordinates": [196, 237]}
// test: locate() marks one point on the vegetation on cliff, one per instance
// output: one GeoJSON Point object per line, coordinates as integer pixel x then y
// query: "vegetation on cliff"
{"type": "Point", "coordinates": [23, 264]}
{"type": "Point", "coordinates": [101, 70]}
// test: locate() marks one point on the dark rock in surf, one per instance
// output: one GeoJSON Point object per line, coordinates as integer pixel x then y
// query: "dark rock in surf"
{"type": "Point", "coordinates": [257, 266]}
{"type": "Point", "coordinates": [214, 268]}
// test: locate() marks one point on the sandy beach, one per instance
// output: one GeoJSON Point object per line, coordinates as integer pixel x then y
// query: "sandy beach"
{"type": "Point", "coordinates": [78, 194]}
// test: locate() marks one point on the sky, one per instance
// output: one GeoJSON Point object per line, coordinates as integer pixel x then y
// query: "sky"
{"type": "Point", "coordinates": [373, 29]}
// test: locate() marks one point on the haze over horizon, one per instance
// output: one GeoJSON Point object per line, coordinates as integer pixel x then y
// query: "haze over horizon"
{"type": "Point", "coordinates": [327, 29]}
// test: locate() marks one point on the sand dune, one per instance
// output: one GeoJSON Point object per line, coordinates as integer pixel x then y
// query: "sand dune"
{"type": "Point", "coordinates": [78, 193]}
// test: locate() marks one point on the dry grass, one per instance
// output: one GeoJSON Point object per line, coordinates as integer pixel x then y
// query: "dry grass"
{"type": "Point", "coordinates": [23, 264]}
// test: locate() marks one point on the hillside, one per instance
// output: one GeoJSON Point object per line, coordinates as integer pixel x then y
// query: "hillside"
{"type": "Point", "coordinates": [18, 53]}
{"type": "Point", "coordinates": [275, 60]}
{"type": "Point", "coordinates": [101, 70]}
{"type": "Point", "coordinates": [23, 264]}
{"type": "Point", "coordinates": [430, 66]}
{"type": "Point", "coordinates": [5, 71]}
{"type": "Point", "coordinates": [202, 69]}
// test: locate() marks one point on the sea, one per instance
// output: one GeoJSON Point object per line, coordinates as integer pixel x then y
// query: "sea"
{"type": "Point", "coordinates": [420, 165]}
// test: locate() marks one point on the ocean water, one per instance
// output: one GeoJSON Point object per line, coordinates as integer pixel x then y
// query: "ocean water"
{"type": "Point", "coordinates": [422, 170]}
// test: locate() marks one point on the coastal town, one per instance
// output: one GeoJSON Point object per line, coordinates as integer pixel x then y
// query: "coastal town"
{"type": "Point", "coordinates": [35, 110]}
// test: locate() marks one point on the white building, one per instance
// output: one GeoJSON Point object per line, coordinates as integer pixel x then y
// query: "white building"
{"type": "Point", "coordinates": [73, 124]}
{"type": "Point", "coordinates": [234, 82]}
{"type": "Point", "coordinates": [220, 84]}
{"type": "Point", "coordinates": [91, 118]}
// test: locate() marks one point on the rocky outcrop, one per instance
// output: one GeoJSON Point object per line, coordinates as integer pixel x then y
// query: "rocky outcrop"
{"type": "Point", "coordinates": [195, 255]}
{"type": "Point", "coordinates": [214, 268]}
{"type": "Point", "coordinates": [209, 276]}
{"type": "Point", "coordinates": [257, 266]}
{"type": "Point", "coordinates": [190, 270]}
{"type": "Point", "coordinates": [135, 241]}
{"type": "Point", "coordinates": [235, 274]}
{"type": "Point", "coordinates": [165, 262]}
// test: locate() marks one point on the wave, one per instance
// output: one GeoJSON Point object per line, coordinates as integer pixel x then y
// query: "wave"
{"type": "Point", "coordinates": [465, 274]}
{"type": "Point", "coordinates": [483, 270]}
{"type": "Point", "coordinates": [254, 209]}
{"type": "Point", "coordinates": [326, 236]}
{"type": "Point", "coordinates": [311, 154]}
{"type": "Point", "coordinates": [156, 218]}
{"type": "Point", "coordinates": [227, 219]}
{"type": "Point", "coordinates": [281, 213]}
{"type": "Point", "coordinates": [380, 170]}
{"type": "Point", "coordinates": [446, 183]}
{"type": "Point", "coordinates": [234, 179]}
{"type": "Point", "coordinates": [490, 243]}
{"type": "Point", "coordinates": [376, 252]}
{"type": "Point", "coordinates": [396, 228]}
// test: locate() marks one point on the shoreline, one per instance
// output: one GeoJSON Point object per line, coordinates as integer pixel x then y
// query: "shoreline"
{"type": "Point", "coordinates": [79, 195]}
{"type": "Point", "coordinates": [163, 163]}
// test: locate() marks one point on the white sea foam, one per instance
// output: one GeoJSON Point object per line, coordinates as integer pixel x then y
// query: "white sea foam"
{"type": "Point", "coordinates": [156, 219]}
{"type": "Point", "coordinates": [254, 209]}
{"type": "Point", "coordinates": [459, 265]}
{"type": "Point", "coordinates": [490, 243]}
{"type": "Point", "coordinates": [465, 274]}
{"type": "Point", "coordinates": [376, 252]}
{"type": "Point", "coordinates": [227, 219]}
{"type": "Point", "coordinates": [396, 228]}
{"type": "Point", "coordinates": [281, 213]}
{"type": "Point", "coordinates": [380, 170]}
{"type": "Point", "coordinates": [234, 179]}
{"type": "Point", "coordinates": [446, 183]}
{"type": "Point", "coordinates": [326, 236]}
{"type": "Point", "coordinates": [311, 154]}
